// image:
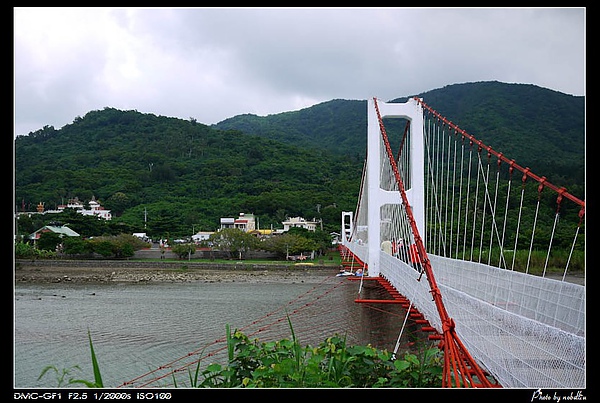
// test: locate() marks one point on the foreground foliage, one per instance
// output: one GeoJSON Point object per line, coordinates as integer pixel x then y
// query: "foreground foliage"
{"type": "Point", "coordinates": [333, 364]}
{"type": "Point", "coordinates": [286, 364]}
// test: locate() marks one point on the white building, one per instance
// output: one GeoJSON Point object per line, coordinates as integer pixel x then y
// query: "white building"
{"type": "Point", "coordinates": [245, 222]}
{"type": "Point", "coordinates": [95, 208]}
{"type": "Point", "coordinates": [248, 223]}
{"type": "Point", "coordinates": [227, 222]}
{"type": "Point", "coordinates": [299, 222]}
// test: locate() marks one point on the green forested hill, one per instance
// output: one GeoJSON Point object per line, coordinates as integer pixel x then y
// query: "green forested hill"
{"type": "Point", "coordinates": [338, 126]}
{"type": "Point", "coordinates": [186, 175]}
{"type": "Point", "coordinates": [537, 127]}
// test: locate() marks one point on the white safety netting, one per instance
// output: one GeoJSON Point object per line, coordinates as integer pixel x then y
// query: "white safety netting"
{"type": "Point", "coordinates": [527, 331]}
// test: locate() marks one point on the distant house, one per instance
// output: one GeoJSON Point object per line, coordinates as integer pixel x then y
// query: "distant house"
{"type": "Point", "coordinates": [95, 208]}
{"type": "Point", "coordinates": [299, 222]}
{"type": "Point", "coordinates": [61, 231]}
{"type": "Point", "coordinates": [227, 222]}
{"type": "Point", "coordinates": [245, 222]}
{"type": "Point", "coordinates": [249, 223]}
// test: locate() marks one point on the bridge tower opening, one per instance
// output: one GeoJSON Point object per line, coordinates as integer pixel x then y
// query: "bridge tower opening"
{"type": "Point", "coordinates": [347, 225]}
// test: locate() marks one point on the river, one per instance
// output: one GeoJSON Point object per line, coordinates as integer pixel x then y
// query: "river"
{"type": "Point", "coordinates": [139, 327]}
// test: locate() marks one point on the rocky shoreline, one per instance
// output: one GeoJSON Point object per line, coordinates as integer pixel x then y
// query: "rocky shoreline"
{"type": "Point", "coordinates": [83, 271]}
{"type": "Point", "coordinates": [112, 271]}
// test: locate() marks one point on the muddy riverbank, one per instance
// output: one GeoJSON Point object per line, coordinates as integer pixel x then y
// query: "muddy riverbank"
{"type": "Point", "coordinates": [84, 271]}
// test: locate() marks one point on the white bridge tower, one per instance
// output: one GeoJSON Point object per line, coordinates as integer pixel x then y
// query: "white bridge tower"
{"type": "Point", "coordinates": [378, 197]}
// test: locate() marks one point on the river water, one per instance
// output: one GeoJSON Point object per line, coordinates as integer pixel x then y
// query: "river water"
{"type": "Point", "coordinates": [139, 327]}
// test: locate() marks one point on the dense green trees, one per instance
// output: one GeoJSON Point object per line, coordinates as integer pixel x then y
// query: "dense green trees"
{"type": "Point", "coordinates": [539, 128]}
{"type": "Point", "coordinates": [289, 244]}
{"type": "Point", "coordinates": [48, 241]}
{"type": "Point", "coordinates": [162, 175]}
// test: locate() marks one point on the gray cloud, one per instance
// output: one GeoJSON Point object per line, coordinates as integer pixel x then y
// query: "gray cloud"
{"type": "Point", "coordinates": [211, 63]}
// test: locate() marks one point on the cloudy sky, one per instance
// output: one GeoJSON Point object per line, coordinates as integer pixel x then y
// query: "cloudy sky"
{"type": "Point", "coordinates": [214, 63]}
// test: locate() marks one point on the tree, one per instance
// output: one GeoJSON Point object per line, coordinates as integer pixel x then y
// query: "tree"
{"type": "Point", "coordinates": [233, 240]}
{"type": "Point", "coordinates": [184, 250]}
{"type": "Point", "coordinates": [27, 224]}
{"type": "Point", "coordinates": [289, 244]}
{"type": "Point", "coordinates": [162, 222]}
{"type": "Point", "coordinates": [24, 250]}
{"type": "Point", "coordinates": [118, 203]}
{"type": "Point", "coordinates": [120, 246]}
{"type": "Point", "coordinates": [49, 241]}
{"type": "Point", "coordinates": [101, 246]}
{"type": "Point", "coordinates": [123, 245]}
{"type": "Point", "coordinates": [74, 245]}
{"type": "Point", "coordinates": [322, 239]}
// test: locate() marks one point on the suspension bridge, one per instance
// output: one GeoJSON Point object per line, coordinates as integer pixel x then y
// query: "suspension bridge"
{"type": "Point", "coordinates": [478, 250]}
{"type": "Point", "coordinates": [484, 260]}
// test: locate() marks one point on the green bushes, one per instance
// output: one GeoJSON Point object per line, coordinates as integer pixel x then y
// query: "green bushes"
{"type": "Point", "coordinates": [184, 250]}
{"type": "Point", "coordinates": [285, 364]}
{"type": "Point", "coordinates": [332, 364]}
{"type": "Point", "coordinates": [24, 250]}
{"type": "Point", "coordinates": [114, 246]}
